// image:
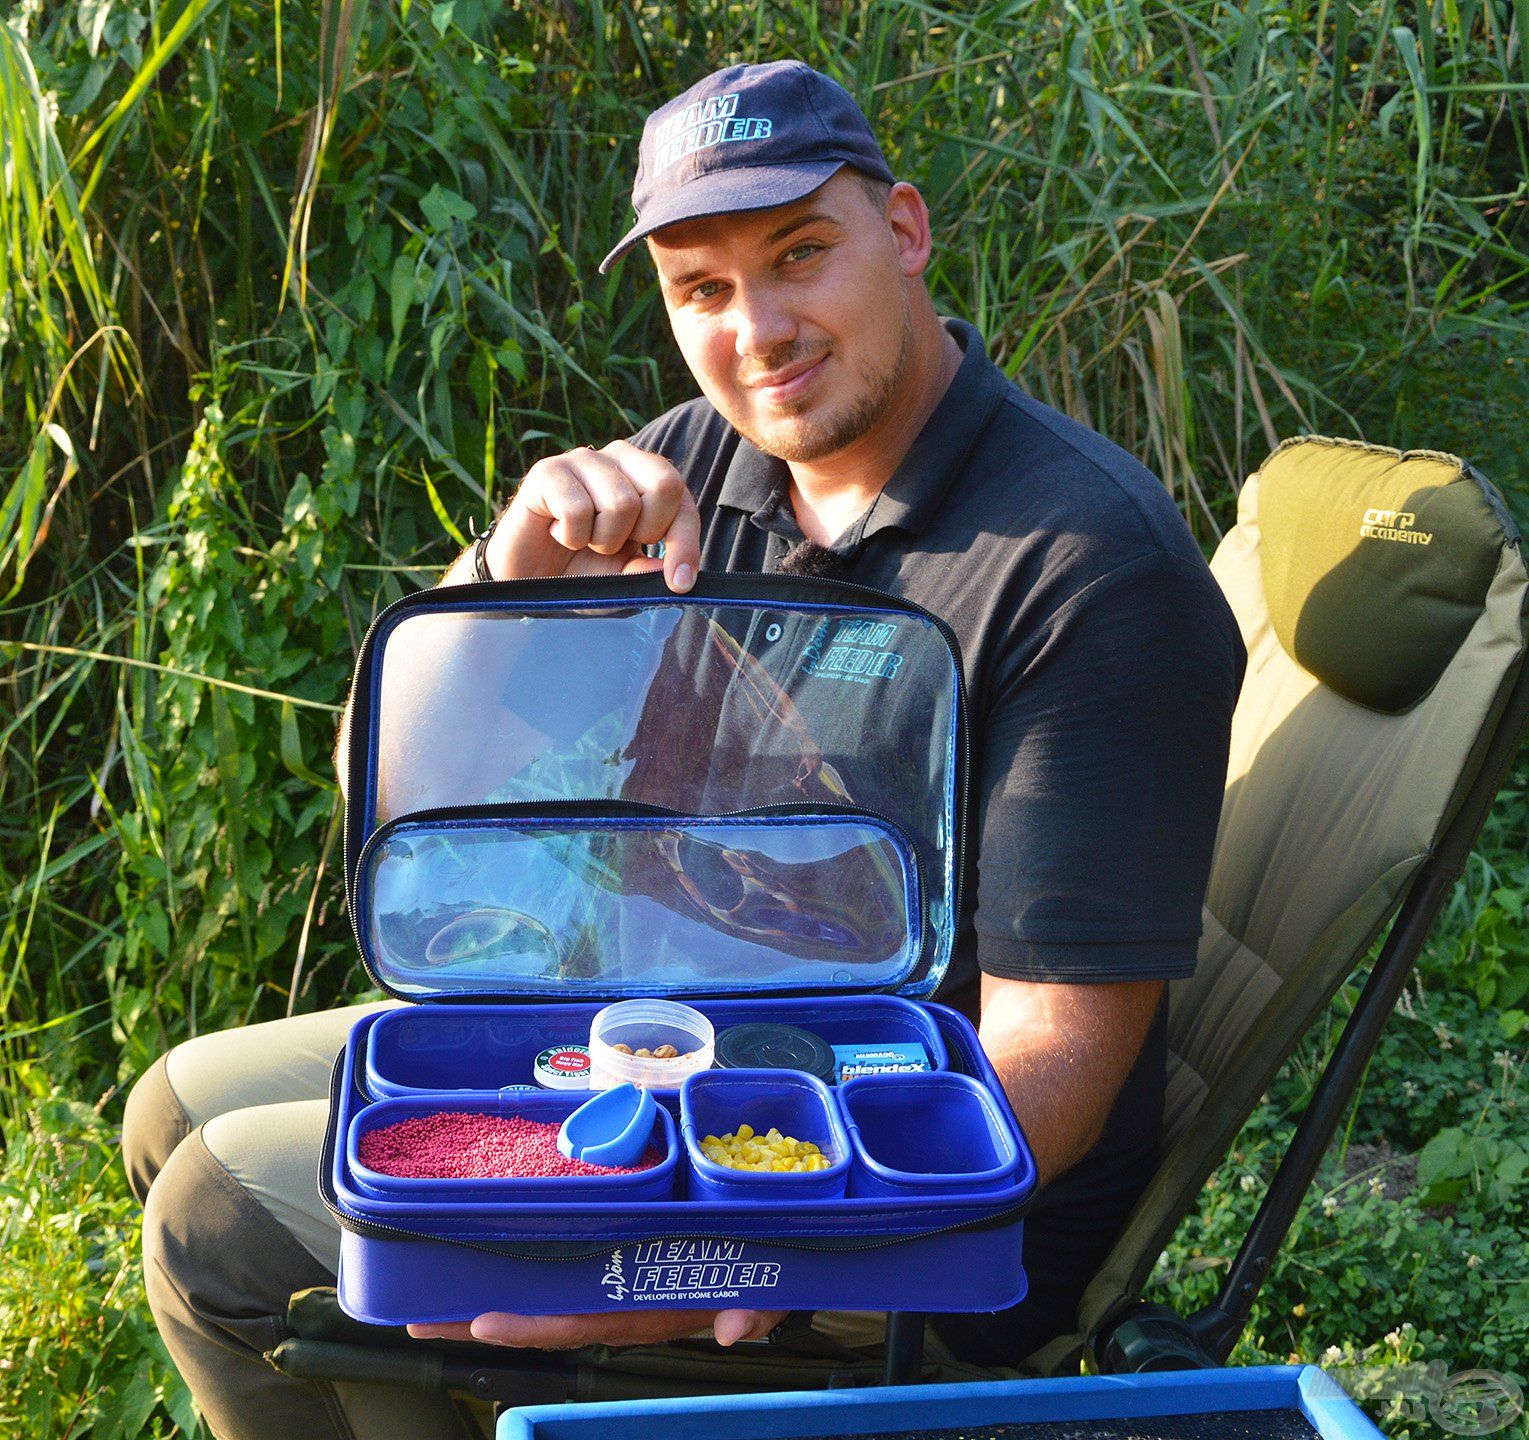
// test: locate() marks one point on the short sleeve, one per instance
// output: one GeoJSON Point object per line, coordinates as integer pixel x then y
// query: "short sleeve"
{"type": "Point", "coordinates": [1099, 783]}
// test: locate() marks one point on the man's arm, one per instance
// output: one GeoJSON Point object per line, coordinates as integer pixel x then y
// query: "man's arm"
{"type": "Point", "coordinates": [1063, 1051]}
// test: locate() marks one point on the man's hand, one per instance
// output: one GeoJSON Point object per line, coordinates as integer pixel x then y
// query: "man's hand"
{"type": "Point", "coordinates": [571, 1332]}
{"type": "Point", "coordinates": [590, 512]}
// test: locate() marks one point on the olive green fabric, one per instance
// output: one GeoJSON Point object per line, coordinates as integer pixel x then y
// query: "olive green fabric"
{"type": "Point", "coordinates": [1330, 808]}
{"type": "Point", "coordinates": [1408, 541]}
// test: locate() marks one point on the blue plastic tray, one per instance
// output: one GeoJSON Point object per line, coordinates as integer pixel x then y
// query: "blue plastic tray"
{"type": "Point", "coordinates": [475, 1047]}
{"type": "Point", "coordinates": [443, 1257]}
{"type": "Point", "coordinates": [1068, 1404]}
{"type": "Point", "coordinates": [546, 1107]}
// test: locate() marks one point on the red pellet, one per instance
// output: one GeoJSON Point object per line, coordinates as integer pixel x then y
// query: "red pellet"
{"type": "Point", "coordinates": [452, 1145]}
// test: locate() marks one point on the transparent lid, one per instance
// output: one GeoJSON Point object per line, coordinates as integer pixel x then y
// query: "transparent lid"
{"type": "Point", "coordinates": [600, 784]}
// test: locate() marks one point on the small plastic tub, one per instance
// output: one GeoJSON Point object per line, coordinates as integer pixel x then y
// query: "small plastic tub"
{"type": "Point", "coordinates": [864, 1021]}
{"type": "Point", "coordinates": [765, 1046]}
{"type": "Point", "coordinates": [717, 1102]}
{"type": "Point", "coordinates": [646, 1025]}
{"type": "Point", "coordinates": [424, 1049]}
{"type": "Point", "coordinates": [931, 1134]}
{"type": "Point", "coordinates": [548, 1107]}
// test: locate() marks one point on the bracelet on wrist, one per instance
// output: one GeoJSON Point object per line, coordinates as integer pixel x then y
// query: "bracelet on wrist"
{"type": "Point", "coordinates": [481, 572]}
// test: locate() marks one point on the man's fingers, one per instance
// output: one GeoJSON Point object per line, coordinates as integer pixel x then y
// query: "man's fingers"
{"type": "Point", "coordinates": [571, 1332]}
{"type": "Point", "coordinates": [668, 511]}
{"type": "Point", "coordinates": [457, 1331]}
{"type": "Point", "coordinates": [554, 491]}
{"type": "Point", "coordinates": [731, 1326]}
{"type": "Point", "coordinates": [583, 504]}
{"type": "Point", "coordinates": [682, 546]}
{"type": "Point", "coordinates": [533, 1332]}
{"type": "Point", "coordinates": [618, 502]}
{"type": "Point", "coordinates": [589, 501]}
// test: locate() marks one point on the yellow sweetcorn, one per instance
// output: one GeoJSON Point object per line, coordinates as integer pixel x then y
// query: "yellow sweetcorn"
{"type": "Point", "coordinates": [746, 1149]}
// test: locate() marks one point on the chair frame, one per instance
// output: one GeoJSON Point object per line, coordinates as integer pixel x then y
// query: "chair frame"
{"type": "Point", "coordinates": [1145, 1337]}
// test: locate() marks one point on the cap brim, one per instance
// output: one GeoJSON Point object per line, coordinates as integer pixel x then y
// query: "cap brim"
{"type": "Point", "coordinates": [728, 192]}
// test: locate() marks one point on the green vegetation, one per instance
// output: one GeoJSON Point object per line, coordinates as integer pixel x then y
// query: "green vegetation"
{"type": "Point", "coordinates": [290, 294]}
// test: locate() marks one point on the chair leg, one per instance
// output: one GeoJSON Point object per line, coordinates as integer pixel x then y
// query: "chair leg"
{"type": "Point", "coordinates": [905, 1348]}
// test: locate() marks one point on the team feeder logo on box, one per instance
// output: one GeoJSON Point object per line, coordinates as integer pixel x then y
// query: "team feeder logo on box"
{"type": "Point", "coordinates": [1395, 525]}
{"type": "Point", "coordinates": [686, 1270]}
{"type": "Point", "coordinates": [703, 124]}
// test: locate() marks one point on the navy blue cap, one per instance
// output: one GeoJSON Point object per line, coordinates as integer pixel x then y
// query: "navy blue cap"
{"type": "Point", "coordinates": [746, 138]}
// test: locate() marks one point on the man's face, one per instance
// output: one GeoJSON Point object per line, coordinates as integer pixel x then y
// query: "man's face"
{"type": "Point", "coordinates": [794, 321]}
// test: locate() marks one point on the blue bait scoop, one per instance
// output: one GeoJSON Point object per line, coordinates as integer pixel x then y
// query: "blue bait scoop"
{"type": "Point", "coordinates": [611, 1128]}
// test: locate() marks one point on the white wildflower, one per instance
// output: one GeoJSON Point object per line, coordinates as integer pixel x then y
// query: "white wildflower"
{"type": "Point", "coordinates": [1329, 1205]}
{"type": "Point", "coordinates": [1248, 1182]}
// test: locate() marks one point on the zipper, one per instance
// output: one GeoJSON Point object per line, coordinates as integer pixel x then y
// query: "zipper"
{"type": "Point", "coordinates": [359, 704]}
{"type": "Point", "coordinates": [379, 1230]}
{"type": "Point", "coordinates": [601, 809]}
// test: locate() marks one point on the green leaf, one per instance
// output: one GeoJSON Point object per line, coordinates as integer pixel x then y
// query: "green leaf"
{"type": "Point", "coordinates": [1513, 987]}
{"type": "Point", "coordinates": [1441, 1192]}
{"type": "Point", "coordinates": [233, 796]}
{"type": "Point", "coordinates": [442, 206]}
{"type": "Point", "coordinates": [440, 512]}
{"type": "Point", "coordinates": [292, 749]}
{"type": "Point", "coordinates": [91, 17]}
{"type": "Point", "coordinates": [1446, 1156]}
{"type": "Point", "coordinates": [401, 291]}
{"type": "Point", "coordinates": [1511, 1169]}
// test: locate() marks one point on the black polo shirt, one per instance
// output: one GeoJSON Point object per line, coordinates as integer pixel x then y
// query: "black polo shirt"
{"type": "Point", "coordinates": [1102, 665]}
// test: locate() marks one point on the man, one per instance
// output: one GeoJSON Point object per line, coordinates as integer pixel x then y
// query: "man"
{"type": "Point", "coordinates": [844, 429]}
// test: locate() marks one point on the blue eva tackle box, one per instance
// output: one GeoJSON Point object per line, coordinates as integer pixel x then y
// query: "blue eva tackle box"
{"type": "Point", "coordinates": [1265, 1402]}
{"type": "Point", "coordinates": [750, 799]}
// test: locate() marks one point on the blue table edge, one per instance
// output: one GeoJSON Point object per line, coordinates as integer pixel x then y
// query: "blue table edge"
{"type": "Point", "coordinates": [1304, 1388]}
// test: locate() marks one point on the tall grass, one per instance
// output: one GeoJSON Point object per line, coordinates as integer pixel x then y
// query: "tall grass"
{"type": "Point", "coordinates": [290, 294]}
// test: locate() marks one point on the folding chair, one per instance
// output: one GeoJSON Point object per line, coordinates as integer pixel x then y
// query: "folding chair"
{"type": "Point", "coordinates": [1382, 597]}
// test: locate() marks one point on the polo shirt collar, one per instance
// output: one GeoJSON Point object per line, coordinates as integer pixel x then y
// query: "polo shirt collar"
{"type": "Point", "coordinates": [756, 483]}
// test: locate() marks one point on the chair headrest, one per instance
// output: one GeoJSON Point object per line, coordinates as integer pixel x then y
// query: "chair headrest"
{"type": "Point", "coordinates": [1376, 562]}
